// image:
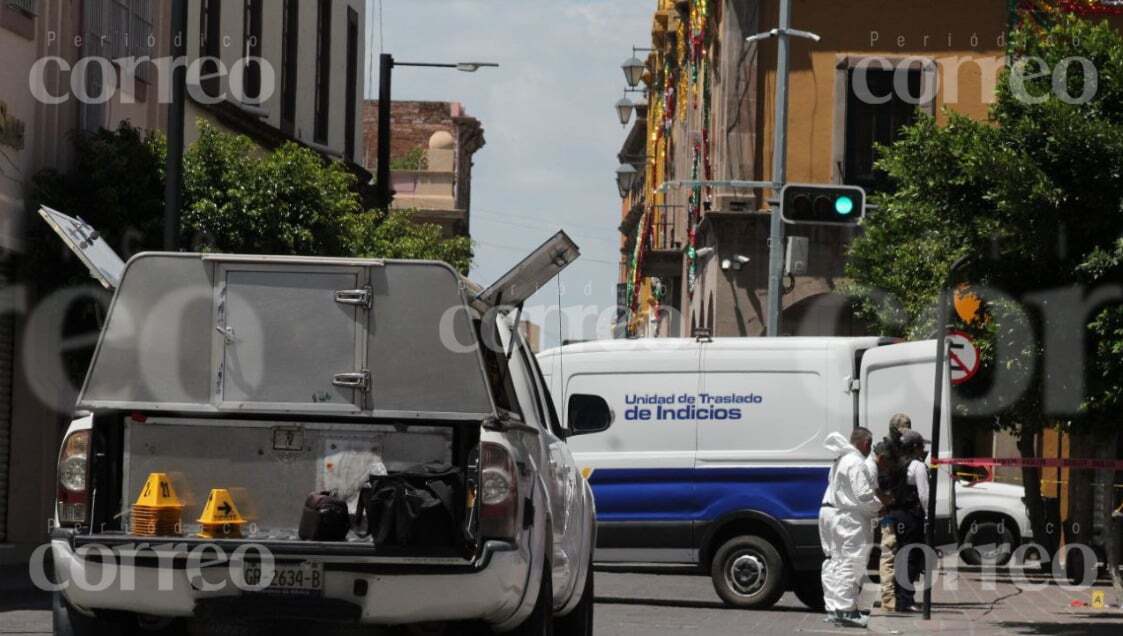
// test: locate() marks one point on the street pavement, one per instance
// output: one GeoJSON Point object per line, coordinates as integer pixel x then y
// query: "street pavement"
{"type": "Point", "coordinates": [647, 604]}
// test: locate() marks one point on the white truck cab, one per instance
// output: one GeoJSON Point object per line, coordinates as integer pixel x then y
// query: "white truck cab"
{"type": "Point", "coordinates": [716, 456]}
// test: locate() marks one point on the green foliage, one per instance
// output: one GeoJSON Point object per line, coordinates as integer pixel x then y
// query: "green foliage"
{"type": "Point", "coordinates": [239, 200]}
{"type": "Point", "coordinates": [1036, 194]}
{"type": "Point", "coordinates": [395, 235]}
{"type": "Point", "coordinates": [415, 159]}
{"type": "Point", "coordinates": [116, 185]}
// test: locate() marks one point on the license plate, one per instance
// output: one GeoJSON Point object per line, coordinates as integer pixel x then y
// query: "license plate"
{"type": "Point", "coordinates": [305, 579]}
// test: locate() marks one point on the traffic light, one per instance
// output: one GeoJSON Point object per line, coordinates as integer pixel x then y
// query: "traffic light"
{"type": "Point", "coordinates": [823, 204]}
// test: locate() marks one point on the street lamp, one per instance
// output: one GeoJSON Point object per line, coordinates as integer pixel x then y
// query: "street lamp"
{"type": "Point", "coordinates": [624, 110]}
{"type": "Point", "coordinates": [634, 67]}
{"type": "Point", "coordinates": [633, 71]}
{"type": "Point", "coordinates": [386, 68]}
{"type": "Point", "coordinates": [626, 178]}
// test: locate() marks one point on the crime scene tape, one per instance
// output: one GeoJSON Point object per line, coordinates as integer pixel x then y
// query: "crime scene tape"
{"type": "Point", "coordinates": [1032, 462]}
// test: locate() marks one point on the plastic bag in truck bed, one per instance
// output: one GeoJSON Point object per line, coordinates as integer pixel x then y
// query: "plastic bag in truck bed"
{"type": "Point", "coordinates": [419, 507]}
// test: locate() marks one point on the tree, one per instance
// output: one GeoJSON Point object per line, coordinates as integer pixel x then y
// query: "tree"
{"type": "Point", "coordinates": [1036, 194]}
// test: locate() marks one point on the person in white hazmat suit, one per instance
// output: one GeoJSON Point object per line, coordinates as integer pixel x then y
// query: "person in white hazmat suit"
{"type": "Point", "coordinates": [849, 510]}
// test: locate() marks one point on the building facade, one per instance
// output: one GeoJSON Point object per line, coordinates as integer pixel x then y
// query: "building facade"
{"type": "Point", "coordinates": [697, 257]}
{"type": "Point", "coordinates": [55, 51]}
{"type": "Point", "coordinates": [431, 152]}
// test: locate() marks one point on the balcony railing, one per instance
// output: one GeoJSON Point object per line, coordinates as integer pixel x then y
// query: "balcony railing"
{"type": "Point", "coordinates": [27, 6]}
{"type": "Point", "coordinates": [665, 237]}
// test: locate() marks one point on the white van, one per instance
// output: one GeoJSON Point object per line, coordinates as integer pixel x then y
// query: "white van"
{"type": "Point", "coordinates": [716, 454]}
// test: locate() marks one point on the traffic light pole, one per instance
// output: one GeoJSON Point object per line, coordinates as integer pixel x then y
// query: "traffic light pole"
{"type": "Point", "coordinates": [779, 168]}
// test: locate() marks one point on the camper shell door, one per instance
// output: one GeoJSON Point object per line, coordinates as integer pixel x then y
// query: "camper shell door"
{"type": "Point", "coordinates": [900, 378]}
{"type": "Point", "coordinates": [232, 334]}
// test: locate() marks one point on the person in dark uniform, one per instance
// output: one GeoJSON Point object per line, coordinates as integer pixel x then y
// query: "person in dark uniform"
{"type": "Point", "coordinates": [909, 513]}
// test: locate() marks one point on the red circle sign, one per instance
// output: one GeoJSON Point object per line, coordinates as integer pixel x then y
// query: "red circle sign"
{"type": "Point", "coordinates": [963, 357]}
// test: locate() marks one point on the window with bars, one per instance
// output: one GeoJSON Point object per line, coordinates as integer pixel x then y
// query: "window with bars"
{"type": "Point", "coordinates": [251, 37]}
{"type": "Point", "coordinates": [290, 37]}
{"type": "Point", "coordinates": [323, 71]}
{"type": "Point", "coordinates": [210, 44]}
{"type": "Point", "coordinates": [27, 6]}
{"type": "Point", "coordinates": [119, 29]}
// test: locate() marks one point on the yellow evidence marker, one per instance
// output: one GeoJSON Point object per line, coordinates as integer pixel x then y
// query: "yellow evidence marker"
{"type": "Point", "coordinates": [221, 518]}
{"type": "Point", "coordinates": [158, 511]}
{"type": "Point", "coordinates": [1097, 599]}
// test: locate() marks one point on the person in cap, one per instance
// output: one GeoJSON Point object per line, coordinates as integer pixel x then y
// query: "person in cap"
{"type": "Point", "coordinates": [910, 522]}
{"type": "Point", "coordinates": [889, 479]}
{"type": "Point", "coordinates": [846, 516]}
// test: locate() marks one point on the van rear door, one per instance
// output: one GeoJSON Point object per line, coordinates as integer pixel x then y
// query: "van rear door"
{"type": "Point", "coordinates": [900, 378]}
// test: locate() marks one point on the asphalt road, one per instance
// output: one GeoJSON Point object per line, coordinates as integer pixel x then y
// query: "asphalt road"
{"type": "Point", "coordinates": [639, 604]}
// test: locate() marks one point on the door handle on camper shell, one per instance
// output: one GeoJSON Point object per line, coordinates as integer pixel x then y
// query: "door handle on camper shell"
{"type": "Point", "coordinates": [358, 380]}
{"type": "Point", "coordinates": [361, 297]}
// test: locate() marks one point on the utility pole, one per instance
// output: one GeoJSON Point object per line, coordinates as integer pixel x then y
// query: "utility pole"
{"type": "Point", "coordinates": [173, 186]}
{"type": "Point", "coordinates": [386, 68]}
{"type": "Point", "coordinates": [779, 169]}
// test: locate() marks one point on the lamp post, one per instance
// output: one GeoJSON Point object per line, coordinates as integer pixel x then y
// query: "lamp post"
{"type": "Point", "coordinates": [626, 178]}
{"type": "Point", "coordinates": [633, 69]}
{"type": "Point", "coordinates": [173, 183]}
{"type": "Point", "coordinates": [386, 69]}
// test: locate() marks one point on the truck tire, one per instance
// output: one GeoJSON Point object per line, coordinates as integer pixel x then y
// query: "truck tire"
{"type": "Point", "coordinates": [998, 537]}
{"type": "Point", "coordinates": [748, 573]}
{"type": "Point", "coordinates": [808, 589]}
{"type": "Point", "coordinates": [579, 622]}
{"type": "Point", "coordinates": [541, 620]}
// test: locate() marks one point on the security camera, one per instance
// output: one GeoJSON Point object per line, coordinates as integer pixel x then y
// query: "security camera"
{"type": "Point", "coordinates": [744, 260]}
{"type": "Point", "coordinates": [704, 252]}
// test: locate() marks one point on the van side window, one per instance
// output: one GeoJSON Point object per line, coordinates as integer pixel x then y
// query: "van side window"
{"type": "Point", "coordinates": [498, 372]}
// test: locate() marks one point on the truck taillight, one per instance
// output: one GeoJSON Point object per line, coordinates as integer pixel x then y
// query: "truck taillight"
{"type": "Point", "coordinates": [499, 494]}
{"type": "Point", "coordinates": [73, 479]}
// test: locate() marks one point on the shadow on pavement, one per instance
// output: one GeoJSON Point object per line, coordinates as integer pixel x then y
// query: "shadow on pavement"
{"type": "Point", "coordinates": [1092, 627]}
{"type": "Point", "coordinates": [18, 593]}
{"type": "Point", "coordinates": [669, 602]}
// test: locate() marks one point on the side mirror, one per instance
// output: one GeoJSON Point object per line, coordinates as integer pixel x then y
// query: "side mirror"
{"type": "Point", "coordinates": [588, 414]}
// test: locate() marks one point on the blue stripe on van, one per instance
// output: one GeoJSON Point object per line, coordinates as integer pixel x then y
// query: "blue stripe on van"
{"type": "Point", "coordinates": [706, 494]}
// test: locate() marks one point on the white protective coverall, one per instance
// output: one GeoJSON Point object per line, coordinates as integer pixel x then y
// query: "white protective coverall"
{"type": "Point", "coordinates": [846, 525]}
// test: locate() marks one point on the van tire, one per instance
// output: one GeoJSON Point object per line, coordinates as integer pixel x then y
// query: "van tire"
{"type": "Point", "coordinates": [808, 589]}
{"type": "Point", "coordinates": [579, 622]}
{"type": "Point", "coordinates": [748, 573]}
{"type": "Point", "coordinates": [541, 620]}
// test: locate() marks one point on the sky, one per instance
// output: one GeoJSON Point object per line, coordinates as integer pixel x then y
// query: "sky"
{"type": "Point", "coordinates": [552, 133]}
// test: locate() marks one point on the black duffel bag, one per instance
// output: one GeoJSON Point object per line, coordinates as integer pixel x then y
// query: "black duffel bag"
{"type": "Point", "coordinates": [419, 507]}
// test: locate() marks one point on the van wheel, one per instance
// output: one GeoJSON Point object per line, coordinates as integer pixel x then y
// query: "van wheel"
{"type": "Point", "coordinates": [988, 542]}
{"type": "Point", "coordinates": [541, 620]}
{"type": "Point", "coordinates": [748, 573]}
{"type": "Point", "coordinates": [579, 622]}
{"type": "Point", "coordinates": [809, 590]}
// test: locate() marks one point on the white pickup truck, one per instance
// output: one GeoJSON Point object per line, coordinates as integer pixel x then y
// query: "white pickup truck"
{"type": "Point", "coordinates": [260, 380]}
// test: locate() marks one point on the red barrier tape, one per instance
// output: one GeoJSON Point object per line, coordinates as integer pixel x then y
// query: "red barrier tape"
{"type": "Point", "coordinates": [1033, 462]}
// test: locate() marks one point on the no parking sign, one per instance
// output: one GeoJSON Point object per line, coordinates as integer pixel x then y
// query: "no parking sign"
{"type": "Point", "coordinates": [963, 357]}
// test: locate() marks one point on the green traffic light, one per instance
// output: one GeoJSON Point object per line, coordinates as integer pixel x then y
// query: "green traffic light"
{"type": "Point", "coordinates": [844, 205]}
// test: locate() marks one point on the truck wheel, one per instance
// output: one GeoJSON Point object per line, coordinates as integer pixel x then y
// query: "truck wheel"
{"type": "Point", "coordinates": [809, 590]}
{"type": "Point", "coordinates": [748, 573]}
{"type": "Point", "coordinates": [541, 620]}
{"type": "Point", "coordinates": [579, 622]}
{"type": "Point", "coordinates": [995, 540]}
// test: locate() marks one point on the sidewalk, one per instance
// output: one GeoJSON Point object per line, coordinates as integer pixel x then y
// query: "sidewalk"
{"type": "Point", "coordinates": [1002, 606]}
